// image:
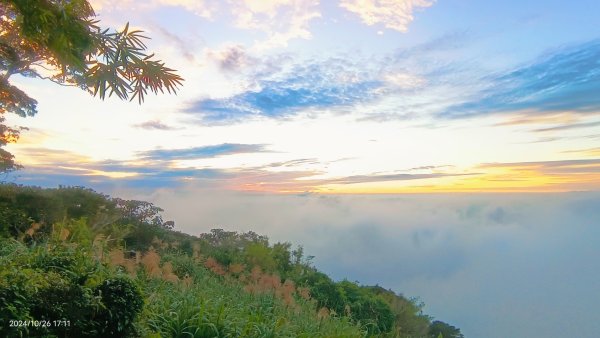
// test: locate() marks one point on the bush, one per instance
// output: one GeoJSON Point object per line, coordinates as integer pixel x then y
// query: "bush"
{"type": "Point", "coordinates": [64, 300]}
{"type": "Point", "coordinates": [367, 308]}
{"type": "Point", "coordinates": [29, 294]}
{"type": "Point", "coordinates": [64, 283]}
{"type": "Point", "coordinates": [122, 301]}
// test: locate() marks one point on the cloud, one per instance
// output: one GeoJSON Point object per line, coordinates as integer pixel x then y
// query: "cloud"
{"type": "Point", "coordinates": [443, 45]}
{"type": "Point", "coordinates": [405, 80]}
{"type": "Point", "coordinates": [422, 79]}
{"type": "Point", "coordinates": [48, 167]}
{"type": "Point", "coordinates": [317, 85]}
{"type": "Point", "coordinates": [201, 152]}
{"type": "Point", "coordinates": [390, 177]}
{"type": "Point", "coordinates": [157, 168]}
{"type": "Point", "coordinates": [161, 168]}
{"type": "Point", "coordinates": [483, 262]}
{"type": "Point", "coordinates": [595, 152]}
{"type": "Point", "coordinates": [293, 163]}
{"type": "Point", "coordinates": [37, 155]}
{"type": "Point", "coordinates": [61, 166]}
{"type": "Point", "coordinates": [524, 119]}
{"type": "Point", "coordinates": [566, 80]}
{"type": "Point", "coordinates": [407, 83]}
{"type": "Point", "coordinates": [546, 165]}
{"type": "Point", "coordinates": [185, 46]}
{"type": "Point", "coordinates": [147, 176]}
{"type": "Point", "coordinates": [281, 20]}
{"type": "Point", "coordinates": [153, 169]}
{"type": "Point", "coordinates": [154, 125]}
{"type": "Point", "coordinates": [543, 140]}
{"type": "Point", "coordinates": [393, 14]}
{"type": "Point", "coordinates": [431, 167]}
{"type": "Point", "coordinates": [106, 178]}
{"type": "Point", "coordinates": [232, 58]}
{"type": "Point", "coordinates": [198, 7]}
{"type": "Point", "coordinates": [569, 126]}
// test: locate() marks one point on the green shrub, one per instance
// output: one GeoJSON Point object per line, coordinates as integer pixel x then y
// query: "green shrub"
{"type": "Point", "coordinates": [64, 300]}
{"type": "Point", "coordinates": [121, 301]}
{"type": "Point", "coordinates": [64, 283]}
{"type": "Point", "coordinates": [30, 294]}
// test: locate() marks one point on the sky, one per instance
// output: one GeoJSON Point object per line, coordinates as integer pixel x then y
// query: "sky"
{"type": "Point", "coordinates": [448, 149]}
{"type": "Point", "coordinates": [348, 96]}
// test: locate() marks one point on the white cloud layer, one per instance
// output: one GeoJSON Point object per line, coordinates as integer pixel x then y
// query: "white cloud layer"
{"type": "Point", "coordinates": [495, 265]}
{"type": "Point", "coordinates": [393, 14]}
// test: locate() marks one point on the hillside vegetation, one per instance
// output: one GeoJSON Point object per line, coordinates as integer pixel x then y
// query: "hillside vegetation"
{"type": "Point", "coordinates": [76, 263]}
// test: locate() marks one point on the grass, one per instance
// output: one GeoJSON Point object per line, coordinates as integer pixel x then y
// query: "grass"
{"type": "Point", "coordinates": [182, 297]}
{"type": "Point", "coordinates": [217, 306]}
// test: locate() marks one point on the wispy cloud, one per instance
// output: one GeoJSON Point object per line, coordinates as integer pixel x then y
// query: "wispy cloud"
{"type": "Point", "coordinates": [524, 119]}
{"type": "Point", "coordinates": [293, 163]}
{"type": "Point", "coordinates": [232, 58]}
{"type": "Point", "coordinates": [595, 152]}
{"type": "Point", "coordinates": [389, 177]}
{"type": "Point", "coordinates": [430, 167]}
{"type": "Point", "coordinates": [546, 165]}
{"type": "Point", "coordinates": [569, 126]}
{"type": "Point", "coordinates": [154, 125]}
{"type": "Point", "coordinates": [201, 152]}
{"type": "Point", "coordinates": [393, 14]}
{"type": "Point", "coordinates": [566, 80]}
{"type": "Point", "coordinates": [185, 46]}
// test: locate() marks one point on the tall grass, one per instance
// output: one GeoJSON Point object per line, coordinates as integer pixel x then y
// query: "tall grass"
{"type": "Point", "coordinates": [184, 296]}
{"type": "Point", "coordinates": [217, 306]}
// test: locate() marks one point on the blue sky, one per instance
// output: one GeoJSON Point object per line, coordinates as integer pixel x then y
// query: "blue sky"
{"type": "Point", "coordinates": [315, 114]}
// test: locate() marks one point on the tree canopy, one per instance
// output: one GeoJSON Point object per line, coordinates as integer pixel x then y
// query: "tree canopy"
{"type": "Point", "coordinates": [60, 41]}
{"type": "Point", "coordinates": [441, 329]}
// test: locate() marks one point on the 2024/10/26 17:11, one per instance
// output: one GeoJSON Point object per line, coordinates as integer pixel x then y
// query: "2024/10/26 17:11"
{"type": "Point", "coordinates": [39, 323]}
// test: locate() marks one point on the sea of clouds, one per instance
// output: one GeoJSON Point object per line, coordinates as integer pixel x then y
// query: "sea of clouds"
{"type": "Point", "coordinates": [495, 265]}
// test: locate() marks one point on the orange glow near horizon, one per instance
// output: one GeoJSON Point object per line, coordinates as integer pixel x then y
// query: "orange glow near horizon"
{"type": "Point", "coordinates": [517, 178]}
{"type": "Point", "coordinates": [502, 177]}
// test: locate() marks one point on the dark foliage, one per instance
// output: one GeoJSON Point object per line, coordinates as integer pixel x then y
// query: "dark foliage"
{"type": "Point", "coordinates": [122, 301]}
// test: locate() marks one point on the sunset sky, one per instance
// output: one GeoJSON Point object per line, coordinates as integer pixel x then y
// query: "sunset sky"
{"type": "Point", "coordinates": [348, 96]}
{"type": "Point", "coordinates": [295, 115]}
